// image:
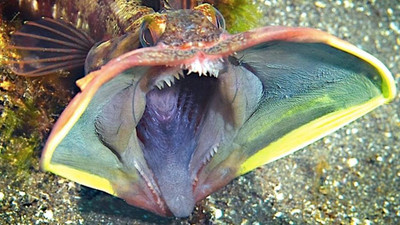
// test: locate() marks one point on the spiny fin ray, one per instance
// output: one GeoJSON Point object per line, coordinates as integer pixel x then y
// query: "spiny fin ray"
{"type": "Point", "coordinates": [47, 46]}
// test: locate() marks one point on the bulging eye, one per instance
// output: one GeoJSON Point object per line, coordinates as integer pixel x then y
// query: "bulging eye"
{"type": "Point", "coordinates": [212, 14]}
{"type": "Point", "coordinates": [146, 36]}
{"type": "Point", "coordinates": [151, 30]}
{"type": "Point", "coordinates": [219, 19]}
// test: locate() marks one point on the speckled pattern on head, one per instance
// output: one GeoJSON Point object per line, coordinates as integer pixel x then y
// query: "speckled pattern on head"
{"type": "Point", "coordinates": [185, 26]}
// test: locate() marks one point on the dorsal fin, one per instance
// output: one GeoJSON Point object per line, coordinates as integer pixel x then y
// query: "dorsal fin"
{"type": "Point", "coordinates": [47, 46]}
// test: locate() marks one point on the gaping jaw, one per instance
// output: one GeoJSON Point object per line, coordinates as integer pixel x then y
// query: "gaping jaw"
{"type": "Point", "coordinates": [184, 120]}
{"type": "Point", "coordinates": [162, 143]}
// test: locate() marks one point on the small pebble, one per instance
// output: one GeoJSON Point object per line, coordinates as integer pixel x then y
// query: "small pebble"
{"type": "Point", "coordinates": [280, 196]}
{"type": "Point", "coordinates": [355, 221]}
{"type": "Point", "coordinates": [48, 214]}
{"type": "Point", "coordinates": [217, 213]}
{"type": "Point", "coordinates": [352, 162]}
{"type": "Point", "coordinates": [368, 222]}
{"type": "Point", "coordinates": [389, 11]}
{"type": "Point", "coordinates": [295, 211]}
{"type": "Point", "coordinates": [394, 27]}
{"type": "Point", "coordinates": [320, 4]}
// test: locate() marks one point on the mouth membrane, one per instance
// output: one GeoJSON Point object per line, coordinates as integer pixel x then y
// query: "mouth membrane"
{"type": "Point", "coordinates": [175, 112]}
{"type": "Point", "coordinates": [169, 133]}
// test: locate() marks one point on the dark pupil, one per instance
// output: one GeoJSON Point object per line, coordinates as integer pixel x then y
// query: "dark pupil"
{"type": "Point", "coordinates": [146, 37]}
{"type": "Point", "coordinates": [220, 19]}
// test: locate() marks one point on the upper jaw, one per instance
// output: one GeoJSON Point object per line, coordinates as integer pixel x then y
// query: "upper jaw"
{"type": "Point", "coordinates": [167, 76]}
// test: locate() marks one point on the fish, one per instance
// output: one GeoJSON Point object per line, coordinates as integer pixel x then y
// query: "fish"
{"type": "Point", "coordinates": [173, 107]}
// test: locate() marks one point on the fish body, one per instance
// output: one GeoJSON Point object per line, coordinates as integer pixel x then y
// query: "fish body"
{"type": "Point", "coordinates": [173, 109]}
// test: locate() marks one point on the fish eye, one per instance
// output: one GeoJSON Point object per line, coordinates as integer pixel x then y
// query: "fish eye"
{"type": "Point", "coordinates": [146, 38]}
{"type": "Point", "coordinates": [219, 19]}
{"type": "Point", "coordinates": [212, 14]}
{"type": "Point", "coordinates": [151, 30]}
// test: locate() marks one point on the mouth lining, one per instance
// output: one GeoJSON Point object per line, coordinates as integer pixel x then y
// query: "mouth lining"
{"type": "Point", "coordinates": [180, 100]}
{"type": "Point", "coordinates": [169, 131]}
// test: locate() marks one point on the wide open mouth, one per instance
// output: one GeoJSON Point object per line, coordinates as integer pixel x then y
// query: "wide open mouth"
{"type": "Point", "coordinates": [173, 117]}
{"type": "Point", "coordinates": [170, 130]}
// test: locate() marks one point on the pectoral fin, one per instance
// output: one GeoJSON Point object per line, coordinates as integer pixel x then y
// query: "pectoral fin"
{"type": "Point", "coordinates": [47, 46]}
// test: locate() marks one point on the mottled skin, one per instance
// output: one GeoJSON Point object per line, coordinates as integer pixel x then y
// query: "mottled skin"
{"type": "Point", "coordinates": [182, 29]}
{"type": "Point", "coordinates": [117, 16]}
{"type": "Point", "coordinates": [186, 27]}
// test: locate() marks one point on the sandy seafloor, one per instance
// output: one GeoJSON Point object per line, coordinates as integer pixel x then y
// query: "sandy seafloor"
{"type": "Point", "coordinates": [349, 177]}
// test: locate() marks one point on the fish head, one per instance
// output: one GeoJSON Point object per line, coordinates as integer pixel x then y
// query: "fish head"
{"type": "Point", "coordinates": [184, 29]}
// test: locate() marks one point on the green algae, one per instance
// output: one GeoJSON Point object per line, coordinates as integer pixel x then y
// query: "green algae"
{"type": "Point", "coordinates": [240, 15]}
{"type": "Point", "coordinates": [17, 147]}
{"type": "Point", "coordinates": [28, 109]}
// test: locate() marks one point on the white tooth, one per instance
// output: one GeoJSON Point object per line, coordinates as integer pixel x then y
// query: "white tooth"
{"type": "Point", "coordinates": [214, 150]}
{"type": "Point", "coordinates": [168, 82]}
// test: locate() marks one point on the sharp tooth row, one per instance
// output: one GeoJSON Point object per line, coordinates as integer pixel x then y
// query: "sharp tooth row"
{"type": "Point", "coordinates": [149, 185]}
{"type": "Point", "coordinates": [204, 68]}
{"type": "Point", "coordinates": [214, 150]}
{"type": "Point", "coordinates": [169, 80]}
{"type": "Point", "coordinates": [179, 74]}
{"type": "Point", "coordinates": [160, 85]}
